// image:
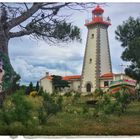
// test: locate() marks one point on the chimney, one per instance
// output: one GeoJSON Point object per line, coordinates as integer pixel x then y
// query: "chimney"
{"type": "Point", "coordinates": [47, 73]}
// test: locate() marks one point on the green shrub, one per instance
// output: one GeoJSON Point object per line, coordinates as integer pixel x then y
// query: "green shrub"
{"type": "Point", "coordinates": [76, 98]}
{"type": "Point", "coordinates": [68, 94]}
{"type": "Point", "coordinates": [15, 128]}
{"type": "Point", "coordinates": [85, 109]}
{"type": "Point", "coordinates": [108, 104]}
{"type": "Point", "coordinates": [98, 92]}
{"type": "Point", "coordinates": [33, 93]}
{"type": "Point", "coordinates": [42, 116]}
{"type": "Point", "coordinates": [15, 108]}
{"type": "Point", "coordinates": [122, 99]}
{"type": "Point", "coordinates": [50, 106]}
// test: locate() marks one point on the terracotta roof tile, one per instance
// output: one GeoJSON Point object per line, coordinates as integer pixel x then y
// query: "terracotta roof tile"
{"type": "Point", "coordinates": [71, 77]}
{"type": "Point", "coordinates": [107, 75]}
{"type": "Point", "coordinates": [67, 78]}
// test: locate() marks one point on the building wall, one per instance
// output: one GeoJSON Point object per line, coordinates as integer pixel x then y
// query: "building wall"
{"type": "Point", "coordinates": [75, 85]}
{"type": "Point", "coordinates": [97, 49]}
{"type": "Point", "coordinates": [46, 84]}
{"type": "Point", "coordinates": [89, 70]}
{"type": "Point", "coordinates": [104, 52]}
{"type": "Point", "coordinates": [121, 76]}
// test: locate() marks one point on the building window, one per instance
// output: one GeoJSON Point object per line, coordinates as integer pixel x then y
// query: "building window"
{"type": "Point", "coordinates": [78, 87]}
{"type": "Point", "coordinates": [92, 35]}
{"type": "Point", "coordinates": [90, 60]}
{"type": "Point", "coordinates": [106, 83]}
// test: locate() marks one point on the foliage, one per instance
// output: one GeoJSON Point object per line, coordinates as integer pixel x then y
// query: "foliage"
{"type": "Point", "coordinates": [122, 100]}
{"type": "Point", "coordinates": [29, 89]}
{"type": "Point", "coordinates": [15, 108]}
{"type": "Point", "coordinates": [58, 83]}
{"type": "Point", "coordinates": [6, 81]}
{"type": "Point", "coordinates": [76, 97]}
{"type": "Point", "coordinates": [31, 86]}
{"type": "Point", "coordinates": [40, 92]}
{"type": "Point", "coordinates": [33, 93]}
{"type": "Point", "coordinates": [23, 87]}
{"type": "Point", "coordinates": [77, 118]}
{"type": "Point", "coordinates": [108, 104]}
{"type": "Point", "coordinates": [129, 35]}
{"type": "Point", "coordinates": [85, 109]}
{"type": "Point", "coordinates": [37, 86]}
{"type": "Point", "coordinates": [63, 31]}
{"type": "Point", "coordinates": [68, 94]}
{"type": "Point", "coordinates": [98, 93]}
{"type": "Point", "coordinates": [49, 107]}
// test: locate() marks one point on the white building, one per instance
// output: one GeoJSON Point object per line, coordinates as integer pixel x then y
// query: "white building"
{"type": "Point", "coordinates": [46, 83]}
{"type": "Point", "coordinates": [75, 81]}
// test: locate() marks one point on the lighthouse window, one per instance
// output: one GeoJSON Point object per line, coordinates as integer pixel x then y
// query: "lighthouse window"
{"type": "Point", "coordinates": [92, 35]}
{"type": "Point", "coordinates": [90, 60]}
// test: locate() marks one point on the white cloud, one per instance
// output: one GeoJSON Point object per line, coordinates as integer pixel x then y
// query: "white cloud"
{"type": "Point", "coordinates": [32, 62]}
{"type": "Point", "coordinates": [28, 72]}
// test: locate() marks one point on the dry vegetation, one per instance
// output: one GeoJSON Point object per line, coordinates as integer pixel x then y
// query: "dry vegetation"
{"type": "Point", "coordinates": [75, 119]}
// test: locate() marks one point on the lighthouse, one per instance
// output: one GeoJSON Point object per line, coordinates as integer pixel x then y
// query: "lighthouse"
{"type": "Point", "coordinates": [97, 60]}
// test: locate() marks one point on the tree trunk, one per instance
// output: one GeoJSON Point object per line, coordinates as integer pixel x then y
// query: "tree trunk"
{"type": "Point", "coordinates": [7, 78]}
{"type": "Point", "coordinates": [10, 77]}
{"type": "Point", "coordinates": [4, 56]}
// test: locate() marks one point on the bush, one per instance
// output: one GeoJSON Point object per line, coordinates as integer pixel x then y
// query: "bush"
{"type": "Point", "coordinates": [76, 97]}
{"type": "Point", "coordinates": [15, 108]}
{"type": "Point", "coordinates": [40, 92]}
{"type": "Point", "coordinates": [98, 92]}
{"type": "Point", "coordinates": [68, 94]}
{"type": "Point", "coordinates": [109, 104]}
{"type": "Point", "coordinates": [122, 100]}
{"type": "Point", "coordinates": [16, 128]}
{"type": "Point", "coordinates": [33, 93]}
{"type": "Point", "coordinates": [85, 109]}
{"type": "Point", "coordinates": [50, 107]}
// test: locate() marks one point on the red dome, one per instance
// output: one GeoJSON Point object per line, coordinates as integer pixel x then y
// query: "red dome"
{"type": "Point", "coordinates": [98, 10]}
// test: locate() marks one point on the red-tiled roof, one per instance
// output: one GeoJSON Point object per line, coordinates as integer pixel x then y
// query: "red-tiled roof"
{"type": "Point", "coordinates": [67, 78]}
{"type": "Point", "coordinates": [106, 75]}
{"type": "Point", "coordinates": [48, 77]}
{"type": "Point", "coordinates": [73, 77]}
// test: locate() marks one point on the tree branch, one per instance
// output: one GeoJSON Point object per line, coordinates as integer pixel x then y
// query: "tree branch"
{"type": "Point", "coordinates": [26, 6]}
{"type": "Point", "coordinates": [20, 33]}
{"type": "Point", "coordinates": [14, 22]}
{"type": "Point", "coordinates": [55, 7]}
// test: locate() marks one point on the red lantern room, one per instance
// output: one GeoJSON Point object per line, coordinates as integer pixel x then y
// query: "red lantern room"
{"type": "Point", "coordinates": [97, 14]}
{"type": "Point", "coordinates": [97, 17]}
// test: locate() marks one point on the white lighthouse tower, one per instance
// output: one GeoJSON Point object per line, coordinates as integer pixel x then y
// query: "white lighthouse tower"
{"type": "Point", "coordinates": [97, 60]}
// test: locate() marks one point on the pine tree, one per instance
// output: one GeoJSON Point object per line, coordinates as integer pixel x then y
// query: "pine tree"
{"type": "Point", "coordinates": [37, 86]}
{"type": "Point", "coordinates": [129, 35]}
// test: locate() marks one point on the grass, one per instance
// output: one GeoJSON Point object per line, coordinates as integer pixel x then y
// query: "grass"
{"type": "Point", "coordinates": [71, 121]}
{"type": "Point", "coordinates": [74, 124]}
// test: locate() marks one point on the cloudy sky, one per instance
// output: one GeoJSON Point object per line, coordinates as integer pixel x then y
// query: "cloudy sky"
{"type": "Point", "coordinates": [32, 59]}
